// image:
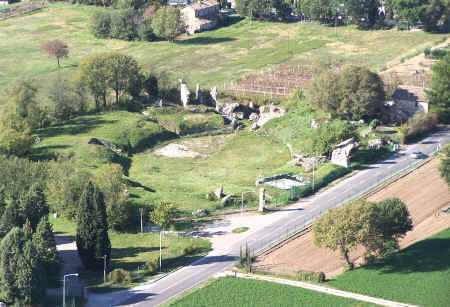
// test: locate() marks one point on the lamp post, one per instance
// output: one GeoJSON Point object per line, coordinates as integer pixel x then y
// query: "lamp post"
{"type": "Point", "coordinates": [64, 287]}
{"type": "Point", "coordinates": [142, 228]}
{"type": "Point", "coordinates": [104, 268]}
{"type": "Point", "coordinates": [242, 199]}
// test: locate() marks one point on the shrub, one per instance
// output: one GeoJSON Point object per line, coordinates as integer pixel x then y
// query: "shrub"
{"type": "Point", "coordinates": [153, 264]}
{"type": "Point", "coordinates": [120, 276]}
{"type": "Point", "coordinates": [310, 276]}
{"type": "Point", "coordinates": [101, 24]}
{"type": "Point", "coordinates": [189, 248]}
{"type": "Point", "coordinates": [124, 25]}
{"type": "Point", "coordinates": [374, 123]}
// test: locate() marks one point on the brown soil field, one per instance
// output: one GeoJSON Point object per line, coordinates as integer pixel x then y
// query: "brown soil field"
{"type": "Point", "coordinates": [425, 194]}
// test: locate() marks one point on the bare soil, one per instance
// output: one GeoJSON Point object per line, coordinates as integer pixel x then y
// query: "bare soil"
{"type": "Point", "coordinates": [423, 191]}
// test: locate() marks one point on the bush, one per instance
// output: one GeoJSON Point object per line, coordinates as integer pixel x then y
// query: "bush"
{"type": "Point", "coordinates": [374, 123]}
{"type": "Point", "coordinates": [310, 276]}
{"type": "Point", "coordinates": [101, 24]}
{"type": "Point", "coordinates": [153, 264]}
{"type": "Point", "coordinates": [120, 276]}
{"type": "Point", "coordinates": [124, 25]}
{"type": "Point", "coordinates": [189, 248]}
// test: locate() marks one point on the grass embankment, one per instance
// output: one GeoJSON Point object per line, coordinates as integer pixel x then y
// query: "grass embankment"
{"type": "Point", "coordinates": [418, 274]}
{"type": "Point", "coordinates": [230, 291]}
{"type": "Point", "coordinates": [208, 58]}
{"type": "Point", "coordinates": [131, 251]}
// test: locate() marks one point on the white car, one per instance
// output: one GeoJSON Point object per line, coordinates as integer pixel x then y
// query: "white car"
{"type": "Point", "coordinates": [416, 155]}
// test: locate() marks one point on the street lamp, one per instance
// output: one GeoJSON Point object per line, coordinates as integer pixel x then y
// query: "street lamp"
{"type": "Point", "coordinates": [242, 199]}
{"type": "Point", "coordinates": [64, 287]}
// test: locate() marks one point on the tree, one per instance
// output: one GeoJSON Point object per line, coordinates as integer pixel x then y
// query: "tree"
{"type": "Point", "coordinates": [444, 168]}
{"type": "Point", "coordinates": [162, 215]}
{"type": "Point", "coordinates": [322, 93]}
{"type": "Point", "coordinates": [431, 14]}
{"type": "Point", "coordinates": [342, 228]}
{"type": "Point", "coordinates": [167, 23]}
{"type": "Point", "coordinates": [44, 242]}
{"type": "Point", "coordinates": [93, 73]}
{"type": "Point", "coordinates": [101, 24]}
{"type": "Point", "coordinates": [409, 9]}
{"type": "Point", "coordinates": [124, 25]}
{"type": "Point", "coordinates": [124, 73]}
{"type": "Point", "coordinates": [109, 179]}
{"type": "Point", "coordinates": [253, 8]}
{"type": "Point", "coordinates": [22, 278]}
{"type": "Point", "coordinates": [361, 93]}
{"type": "Point", "coordinates": [390, 221]}
{"type": "Point", "coordinates": [57, 49]}
{"type": "Point", "coordinates": [92, 229]}
{"type": "Point", "coordinates": [439, 93]}
{"type": "Point", "coordinates": [11, 218]}
{"type": "Point", "coordinates": [364, 12]}
{"type": "Point", "coordinates": [67, 100]}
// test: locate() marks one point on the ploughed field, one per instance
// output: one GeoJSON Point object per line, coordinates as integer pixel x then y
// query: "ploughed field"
{"type": "Point", "coordinates": [425, 194]}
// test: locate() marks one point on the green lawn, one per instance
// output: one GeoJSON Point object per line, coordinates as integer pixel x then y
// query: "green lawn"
{"type": "Point", "coordinates": [230, 291]}
{"type": "Point", "coordinates": [419, 274]}
{"type": "Point", "coordinates": [209, 58]}
{"type": "Point", "coordinates": [131, 251]}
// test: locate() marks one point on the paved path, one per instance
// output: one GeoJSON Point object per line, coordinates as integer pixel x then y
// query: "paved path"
{"type": "Point", "coordinates": [274, 227]}
{"type": "Point", "coordinates": [322, 289]}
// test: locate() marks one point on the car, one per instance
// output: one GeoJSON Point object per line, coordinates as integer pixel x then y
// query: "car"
{"type": "Point", "coordinates": [416, 155]}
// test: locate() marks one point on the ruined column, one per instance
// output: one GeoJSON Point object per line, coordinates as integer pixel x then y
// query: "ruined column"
{"type": "Point", "coordinates": [262, 199]}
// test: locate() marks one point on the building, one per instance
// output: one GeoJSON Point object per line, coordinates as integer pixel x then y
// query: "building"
{"type": "Point", "coordinates": [201, 16]}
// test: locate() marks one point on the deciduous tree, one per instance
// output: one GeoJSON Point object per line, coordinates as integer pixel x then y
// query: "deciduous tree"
{"type": "Point", "coordinates": [444, 167]}
{"type": "Point", "coordinates": [167, 23]}
{"type": "Point", "coordinates": [57, 49]}
{"type": "Point", "coordinates": [439, 93]}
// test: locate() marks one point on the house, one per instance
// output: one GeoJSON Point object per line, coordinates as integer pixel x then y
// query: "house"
{"type": "Point", "coordinates": [201, 16]}
{"type": "Point", "coordinates": [178, 2]}
{"type": "Point", "coordinates": [407, 101]}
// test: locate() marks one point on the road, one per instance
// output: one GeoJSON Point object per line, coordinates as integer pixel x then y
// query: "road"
{"type": "Point", "coordinates": [218, 260]}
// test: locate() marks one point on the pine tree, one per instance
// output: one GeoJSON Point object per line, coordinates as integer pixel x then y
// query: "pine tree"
{"type": "Point", "coordinates": [92, 229]}
{"type": "Point", "coordinates": [33, 205]}
{"type": "Point", "coordinates": [22, 278]}
{"type": "Point", "coordinates": [44, 242]}
{"type": "Point", "coordinates": [10, 218]}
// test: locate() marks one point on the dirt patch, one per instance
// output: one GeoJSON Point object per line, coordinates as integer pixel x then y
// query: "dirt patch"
{"type": "Point", "coordinates": [423, 191]}
{"type": "Point", "coordinates": [175, 150]}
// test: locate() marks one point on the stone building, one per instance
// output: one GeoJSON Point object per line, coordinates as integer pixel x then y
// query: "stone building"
{"type": "Point", "coordinates": [201, 16]}
{"type": "Point", "coordinates": [407, 101]}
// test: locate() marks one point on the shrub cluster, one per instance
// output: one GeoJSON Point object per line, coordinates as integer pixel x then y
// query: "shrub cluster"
{"type": "Point", "coordinates": [119, 276]}
{"type": "Point", "coordinates": [417, 126]}
{"type": "Point", "coordinates": [127, 24]}
{"type": "Point", "coordinates": [310, 276]}
{"type": "Point", "coordinates": [436, 54]}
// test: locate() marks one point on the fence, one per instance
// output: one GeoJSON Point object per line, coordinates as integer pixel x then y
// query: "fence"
{"type": "Point", "coordinates": [278, 233]}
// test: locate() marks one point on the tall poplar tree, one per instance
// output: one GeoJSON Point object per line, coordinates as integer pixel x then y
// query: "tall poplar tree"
{"type": "Point", "coordinates": [92, 229]}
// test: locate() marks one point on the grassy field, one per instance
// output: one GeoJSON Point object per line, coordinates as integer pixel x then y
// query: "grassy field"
{"type": "Point", "coordinates": [131, 251]}
{"type": "Point", "coordinates": [230, 291]}
{"type": "Point", "coordinates": [418, 274]}
{"type": "Point", "coordinates": [209, 58]}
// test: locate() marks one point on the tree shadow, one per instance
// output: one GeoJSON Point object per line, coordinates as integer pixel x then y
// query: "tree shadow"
{"type": "Point", "coordinates": [74, 126]}
{"type": "Point", "coordinates": [136, 184]}
{"type": "Point", "coordinates": [425, 256]}
{"type": "Point", "coordinates": [46, 153]}
{"type": "Point", "coordinates": [214, 259]}
{"type": "Point", "coordinates": [137, 297]}
{"type": "Point", "coordinates": [205, 40]}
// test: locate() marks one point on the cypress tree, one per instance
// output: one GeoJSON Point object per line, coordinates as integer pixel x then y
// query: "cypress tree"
{"type": "Point", "coordinates": [44, 242]}
{"type": "Point", "coordinates": [92, 229]}
{"type": "Point", "coordinates": [10, 218]}
{"type": "Point", "coordinates": [33, 205]}
{"type": "Point", "coordinates": [22, 278]}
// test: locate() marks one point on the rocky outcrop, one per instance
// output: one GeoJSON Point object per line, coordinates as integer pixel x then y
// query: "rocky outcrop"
{"type": "Point", "coordinates": [112, 147]}
{"type": "Point", "coordinates": [306, 161]}
{"type": "Point", "coordinates": [266, 113]}
{"type": "Point", "coordinates": [341, 152]}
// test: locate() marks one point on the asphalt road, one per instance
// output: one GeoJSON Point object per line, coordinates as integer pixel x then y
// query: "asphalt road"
{"type": "Point", "coordinates": [218, 260]}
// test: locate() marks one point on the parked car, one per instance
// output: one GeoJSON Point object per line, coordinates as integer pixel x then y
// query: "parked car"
{"type": "Point", "coordinates": [416, 155]}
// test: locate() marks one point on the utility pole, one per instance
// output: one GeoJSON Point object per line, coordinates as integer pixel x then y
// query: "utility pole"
{"type": "Point", "coordinates": [314, 162]}
{"type": "Point", "coordinates": [142, 228]}
{"type": "Point", "coordinates": [160, 250]}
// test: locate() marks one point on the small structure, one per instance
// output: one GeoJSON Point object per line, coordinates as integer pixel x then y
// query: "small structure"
{"type": "Point", "coordinates": [184, 93]}
{"type": "Point", "coordinates": [407, 101]}
{"type": "Point", "coordinates": [341, 152]}
{"type": "Point", "coordinates": [201, 16]}
{"type": "Point", "coordinates": [178, 2]}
